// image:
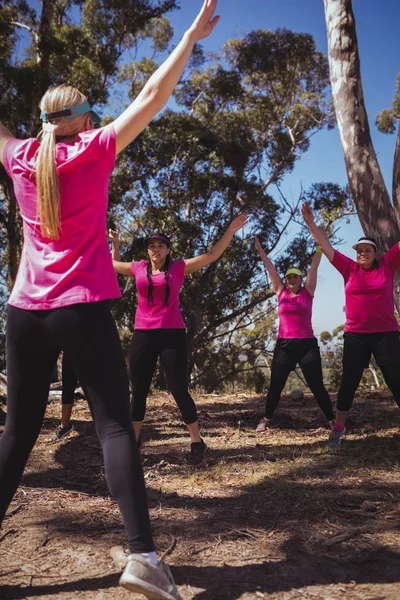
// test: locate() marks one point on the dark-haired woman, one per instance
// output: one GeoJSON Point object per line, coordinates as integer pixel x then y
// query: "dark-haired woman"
{"type": "Point", "coordinates": [371, 326]}
{"type": "Point", "coordinates": [160, 329]}
{"type": "Point", "coordinates": [296, 341]}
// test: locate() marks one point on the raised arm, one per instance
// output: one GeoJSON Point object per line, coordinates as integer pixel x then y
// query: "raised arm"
{"type": "Point", "coordinates": [124, 268]}
{"type": "Point", "coordinates": [320, 237]}
{"type": "Point", "coordinates": [311, 279]}
{"type": "Point", "coordinates": [198, 262]}
{"type": "Point", "coordinates": [5, 135]}
{"type": "Point", "coordinates": [161, 84]}
{"type": "Point", "coordinates": [277, 283]}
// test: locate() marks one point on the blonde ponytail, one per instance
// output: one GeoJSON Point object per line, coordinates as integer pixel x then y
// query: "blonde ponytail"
{"type": "Point", "coordinates": [47, 183]}
{"type": "Point", "coordinates": [49, 207]}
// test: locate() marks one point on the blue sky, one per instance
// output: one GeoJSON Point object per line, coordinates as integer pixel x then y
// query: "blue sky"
{"type": "Point", "coordinates": [378, 36]}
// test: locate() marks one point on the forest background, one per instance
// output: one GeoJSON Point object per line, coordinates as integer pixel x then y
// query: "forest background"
{"type": "Point", "coordinates": [251, 127]}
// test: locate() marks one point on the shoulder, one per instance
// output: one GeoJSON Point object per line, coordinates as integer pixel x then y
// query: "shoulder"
{"type": "Point", "coordinates": [283, 294]}
{"type": "Point", "coordinates": [177, 266]}
{"type": "Point", "coordinates": [101, 136]}
{"type": "Point", "coordinates": [138, 266]}
{"type": "Point", "coordinates": [95, 144]}
{"type": "Point", "coordinates": [304, 292]}
{"type": "Point", "coordinates": [20, 151]}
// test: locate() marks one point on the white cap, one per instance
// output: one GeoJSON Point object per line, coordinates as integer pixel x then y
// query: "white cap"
{"type": "Point", "coordinates": [364, 241]}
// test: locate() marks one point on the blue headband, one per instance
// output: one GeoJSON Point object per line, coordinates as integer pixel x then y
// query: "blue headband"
{"type": "Point", "coordinates": [70, 112]}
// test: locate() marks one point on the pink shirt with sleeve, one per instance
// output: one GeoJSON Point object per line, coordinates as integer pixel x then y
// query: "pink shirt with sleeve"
{"type": "Point", "coordinates": [77, 267]}
{"type": "Point", "coordinates": [369, 294]}
{"type": "Point", "coordinates": [158, 315]}
{"type": "Point", "coordinates": [295, 314]}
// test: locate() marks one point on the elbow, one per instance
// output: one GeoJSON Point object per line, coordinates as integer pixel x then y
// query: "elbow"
{"type": "Point", "coordinates": [155, 95]}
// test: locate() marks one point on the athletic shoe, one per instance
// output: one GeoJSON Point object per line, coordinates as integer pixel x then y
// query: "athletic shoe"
{"type": "Point", "coordinates": [264, 424]}
{"type": "Point", "coordinates": [61, 432]}
{"type": "Point", "coordinates": [197, 453]}
{"type": "Point", "coordinates": [335, 437]}
{"type": "Point", "coordinates": [154, 582]}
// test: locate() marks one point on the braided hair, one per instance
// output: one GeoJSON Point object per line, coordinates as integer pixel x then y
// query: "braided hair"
{"type": "Point", "coordinates": [151, 287]}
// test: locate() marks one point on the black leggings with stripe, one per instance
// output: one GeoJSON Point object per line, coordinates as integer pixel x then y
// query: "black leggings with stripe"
{"type": "Point", "coordinates": [87, 333]}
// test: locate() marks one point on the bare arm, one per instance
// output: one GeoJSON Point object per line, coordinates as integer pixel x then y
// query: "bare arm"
{"type": "Point", "coordinates": [311, 280]}
{"type": "Point", "coordinates": [198, 262]}
{"type": "Point", "coordinates": [124, 268]}
{"type": "Point", "coordinates": [320, 237]}
{"type": "Point", "coordinates": [5, 136]}
{"type": "Point", "coordinates": [161, 84]}
{"type": "Point", "coordinates": [277, 283]}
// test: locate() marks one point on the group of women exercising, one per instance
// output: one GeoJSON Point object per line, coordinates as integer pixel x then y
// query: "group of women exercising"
{"type": "Point", "coordinates": [67, 276]}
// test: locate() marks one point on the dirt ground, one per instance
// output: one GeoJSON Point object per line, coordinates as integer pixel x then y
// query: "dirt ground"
{"type": "Point", "coordinates": [270, 515]}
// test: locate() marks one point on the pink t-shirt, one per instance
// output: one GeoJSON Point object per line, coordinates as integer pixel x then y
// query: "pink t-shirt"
{"type": "Point", "coordinates": [158, 315]}
{"type": "Point", "coordinates": [295, 314]}
{"type": "Point", "coordinates": [369, 294]}
{"type": "Point", "coordinates": [77, 267]}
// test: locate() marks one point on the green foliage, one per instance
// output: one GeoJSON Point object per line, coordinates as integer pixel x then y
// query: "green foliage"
{"type": "Point", "coordinates": [386, 119]}
{"type": "Point", "coordinates": [332, 358]}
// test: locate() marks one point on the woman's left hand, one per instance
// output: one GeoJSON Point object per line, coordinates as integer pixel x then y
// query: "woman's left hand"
{"type": "Point", "coordinates": [240, 221]}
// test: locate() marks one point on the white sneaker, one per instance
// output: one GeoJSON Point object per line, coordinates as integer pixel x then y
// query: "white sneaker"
{"type": "Point", "coordinates": [154, 582]}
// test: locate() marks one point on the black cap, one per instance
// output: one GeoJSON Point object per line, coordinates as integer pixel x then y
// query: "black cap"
{"type": "Point", "coordinates": [158, 236]}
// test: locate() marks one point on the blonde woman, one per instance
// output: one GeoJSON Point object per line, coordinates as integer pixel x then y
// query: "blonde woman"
{"type": "Point", "coordinates": [65, 279]}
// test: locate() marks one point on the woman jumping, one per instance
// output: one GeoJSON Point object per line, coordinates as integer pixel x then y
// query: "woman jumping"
{"type": "Point", "coordinates": [371, 326]}
{"type": "Point", "coordinates": [65, 279]}
{"type": "Point", "coordinates": [296, 341]}
{"type": "Point", "coordinates": [159, 326]}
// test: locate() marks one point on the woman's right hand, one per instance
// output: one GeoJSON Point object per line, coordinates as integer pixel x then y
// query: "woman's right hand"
{"type": "Point", "coordinates": [204, 23]}
{"type": "Point", "coordinates": [307, 213]}
{"type": "Point", "coordinates": [113, 236]}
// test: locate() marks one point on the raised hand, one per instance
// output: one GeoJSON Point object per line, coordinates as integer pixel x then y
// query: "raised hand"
{"type": "Point", "coordinates": [205, 22]}
{"type": "Point", "coordinates": [240, 221]}
{"type": "Point", "coordinates": [307, 213]}
{"type": "Point", "coordinates": [113, 236]}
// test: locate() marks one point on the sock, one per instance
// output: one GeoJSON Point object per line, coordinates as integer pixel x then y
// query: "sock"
{"type": "Point", "coordinates": [151, 557]}
{"type": "Point", "coordinates": [339, 426]}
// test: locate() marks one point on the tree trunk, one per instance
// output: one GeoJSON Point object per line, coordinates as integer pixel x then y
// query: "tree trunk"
{"type": "Point", "coordinates": [12, 226]}
{"type": "Point", "coordinates": [375, 211]}
{"type": "Point", "coordinates": [396, 177]}
{"type": "Point", "coordinates": [375, 376]}
{"type": "Point", "coordinates": [366, 182]}
{"type": "Point", "coordinates": [43, 51]}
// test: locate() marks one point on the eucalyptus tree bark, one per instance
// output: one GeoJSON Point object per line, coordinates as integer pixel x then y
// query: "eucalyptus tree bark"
{"type": "Point", "coordinates": [375, 211]}
{"type": "Point", "coordinates": [370, 194]}
{"type": "Point", "coordinates": [396, 178]}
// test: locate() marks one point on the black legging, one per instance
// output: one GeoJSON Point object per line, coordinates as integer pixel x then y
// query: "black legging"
{"type": "Point", "coordinates": [288, 353]}
{"type": "Point", "coordinates": [69, 381]}
{"type": "Point", "coordinates": [171, 346]}
{"type": "Point", "coordinates": [88, 334]}
{"type": "Point", "coordinates": [357, 351]}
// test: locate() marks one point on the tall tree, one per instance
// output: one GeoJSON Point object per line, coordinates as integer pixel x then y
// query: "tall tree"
{"type": "Point", "coordinates": [378, 213]}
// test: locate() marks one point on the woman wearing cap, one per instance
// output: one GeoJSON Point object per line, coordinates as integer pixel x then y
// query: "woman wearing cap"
{"type": "Point", "coordinates": [65, 279]}
{"type": "Point", "coordinates": [296, 341]}
{"type": "Point", "coordinates": [159, 326]}
{"type": "Point", "coordinates": [371, 327]}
